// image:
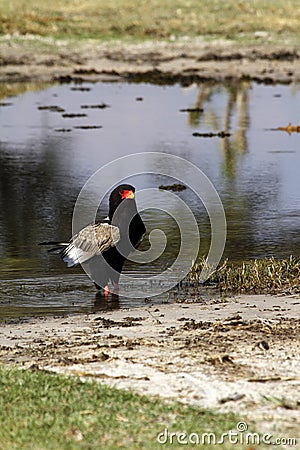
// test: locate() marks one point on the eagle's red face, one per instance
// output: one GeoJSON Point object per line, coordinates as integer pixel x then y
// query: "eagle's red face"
{"type": "Point", "coordinates": [126, 193]}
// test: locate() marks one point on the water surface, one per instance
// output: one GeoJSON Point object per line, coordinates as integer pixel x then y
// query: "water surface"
{"type": "Point", "coordinates": [46, 158]}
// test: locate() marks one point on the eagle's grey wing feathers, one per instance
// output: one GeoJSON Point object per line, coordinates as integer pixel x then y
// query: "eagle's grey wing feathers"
{"type": "Point", "coordinates": [90, 241]}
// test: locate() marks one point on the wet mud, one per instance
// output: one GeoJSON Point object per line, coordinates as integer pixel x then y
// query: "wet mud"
{"type": "Point", "coordinates": [183, 62]}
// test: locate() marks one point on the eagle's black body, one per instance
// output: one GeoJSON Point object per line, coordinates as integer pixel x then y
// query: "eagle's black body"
{"type": "Point", "coordinates": [124, 215]}
{"type": "Point", "coordinates": [101, 248]}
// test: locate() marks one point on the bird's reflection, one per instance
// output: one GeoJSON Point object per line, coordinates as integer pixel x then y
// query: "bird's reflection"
{"type": "Point", "coordinates": [102, 303]}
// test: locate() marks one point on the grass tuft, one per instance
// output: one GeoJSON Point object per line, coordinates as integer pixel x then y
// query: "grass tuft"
{"type": "Point", "coordinates": [267, 275]}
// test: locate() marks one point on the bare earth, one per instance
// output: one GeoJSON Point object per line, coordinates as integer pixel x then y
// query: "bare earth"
{"type": "Point", "coordinates": [240, 355]}
{"type": "Point", "coordinates": [184, 61]}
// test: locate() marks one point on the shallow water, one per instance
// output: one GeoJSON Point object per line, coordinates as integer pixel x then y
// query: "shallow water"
{"type": "Point", "coordinates": [46, 159]}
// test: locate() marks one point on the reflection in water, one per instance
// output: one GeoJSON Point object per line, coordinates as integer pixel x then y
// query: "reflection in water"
{"type": "Point", "coordinates": [101, 303]}
{"type": "Point", "coordinates": [42, 296]}
{"type": "Point", "coordinates": [13, 89]}
{"type": "Point", "coordinates": [31, 201]}
{"type": "Point", "coordinates": [234, 112]}
{"type": "Point", "coordinates": [203, 96]}
{"type": "Point", "coordinates": [237, 143]}
{"type": "Point", "coordinates": [254, 170]}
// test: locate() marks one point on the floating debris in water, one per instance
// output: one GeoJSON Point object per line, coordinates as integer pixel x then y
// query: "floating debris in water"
{"type": "Point", "coordinates": [99, 106]}
{"type": "Point", "coordinates": [88, 127]}
{"type": "Point", "coordinates": [289, 128]}
{"type": "Point", "coordinates": [139, 99]}
{"type": "Point", "coordinates": [63, 130]}
{"type": "Point", "coordinates": [72, 116]}
{"type": "Point", "coordinates": [191, 110]}
{"type": "Point", "coordinates": [82, 89]}
{"type": "Point", "coordinates": [281, 151]}
{"type": "Point", "coordinates": [220, 134]}
{"type": "Point", "coordinates": [176, 187]}
{"type": "Point", "coordinates": [52, 108]}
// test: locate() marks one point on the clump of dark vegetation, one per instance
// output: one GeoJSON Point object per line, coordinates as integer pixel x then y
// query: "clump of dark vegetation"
{"type": "Point", "coordinates": [220, 134]}
{"type": "Point", "coordinates": [87, 127]}
{"type": "Point", "coordinates": [97, 106]}
{"type": "Point", "coordinates": [191, 110]}
{"type": "Point", "coordinates": [72, 116]}
{"type": "Point", "coordinates": [257, 276]}
{"type": "Point", "coordinates": [63, 130]}
{"type": "Point", "coordinates": [176, 187]}
{"type": "Point", "coordinates": [52, 108]}
{"type": "Point", "coordinates": [80, 88]}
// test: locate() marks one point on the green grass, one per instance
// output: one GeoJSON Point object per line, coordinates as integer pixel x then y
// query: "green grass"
{"type": "Point", "coordinates": [144, 19]}
{"type": "Point", "coordinates": [41, 411]}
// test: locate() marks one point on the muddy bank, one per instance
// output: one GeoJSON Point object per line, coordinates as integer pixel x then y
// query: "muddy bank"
{"type": "Point", "coordinates": [184, 61]}
{"type": "Point", "coordinates": [238, 355]}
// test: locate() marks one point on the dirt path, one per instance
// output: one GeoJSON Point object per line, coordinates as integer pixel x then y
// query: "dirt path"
{"type": "Point", "coordinates": [241, 355]}
{"type": "Point", "coordinates": [184, 61]}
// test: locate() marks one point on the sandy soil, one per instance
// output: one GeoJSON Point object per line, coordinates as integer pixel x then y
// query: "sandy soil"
{"type": "Point", "coordinates": [239, 355]}
{"type": "Point", "coordinates": [183, 61]}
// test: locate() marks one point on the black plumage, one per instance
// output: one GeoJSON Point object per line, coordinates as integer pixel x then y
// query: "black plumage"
{"type": "Point", "coordinates": [102, 248]}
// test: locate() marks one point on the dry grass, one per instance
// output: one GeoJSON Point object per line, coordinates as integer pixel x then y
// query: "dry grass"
{"type": "Point", "coordinates": [268, 275]}
{"type": "Point", "coordinates": [148, 18]}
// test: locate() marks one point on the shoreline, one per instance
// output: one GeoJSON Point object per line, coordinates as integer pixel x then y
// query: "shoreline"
{"type": "Point", "coordinates": [184, 61]}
